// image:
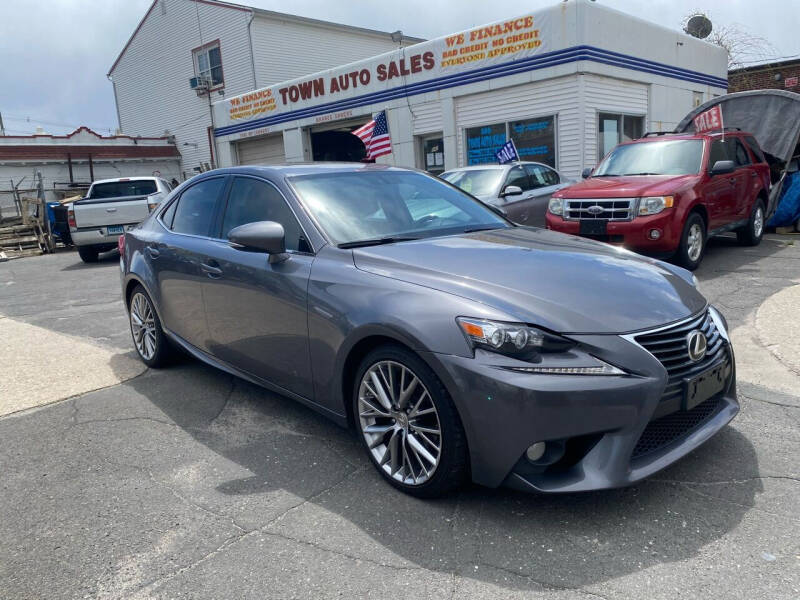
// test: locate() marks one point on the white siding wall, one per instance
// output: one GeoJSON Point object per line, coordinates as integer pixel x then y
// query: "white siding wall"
{"type": "Point", "coordinates": [285, 50]}
{"type": "Point", "coordinates": [152, 77]}
{"type": "Point", "coordinates": [427, 117]}
{"type": "Point", "coordinates": [539, 99]}
{"type": "Point", "coordinates": [606, 94]}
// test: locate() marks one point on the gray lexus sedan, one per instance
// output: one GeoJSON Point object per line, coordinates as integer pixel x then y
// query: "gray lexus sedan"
{"type": "Point", "coordinates": [457, 344]}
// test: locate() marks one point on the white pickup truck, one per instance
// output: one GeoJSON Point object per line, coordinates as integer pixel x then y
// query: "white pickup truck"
{"type": "Point", "coordinates": [111, 207]}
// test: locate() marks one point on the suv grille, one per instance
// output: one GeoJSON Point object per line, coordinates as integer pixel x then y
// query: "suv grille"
{"type": "Point", "coordinates": [671, 348]}
{"type": "Point", "coordinates": [611, 209]}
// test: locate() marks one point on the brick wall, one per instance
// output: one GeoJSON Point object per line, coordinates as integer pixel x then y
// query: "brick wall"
{"type": "Point", "coordinates": [763, 77]}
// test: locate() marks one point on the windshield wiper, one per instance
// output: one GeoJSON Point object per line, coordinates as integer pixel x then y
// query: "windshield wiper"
{"type": "Point", "coordinates": [376, 241]}
{"type": "Point", "coordinates": [608, 175]}
{"type": "Point", "coordinates": [635, 174]}
{"type": "Point", "coordinates": [484, 228]}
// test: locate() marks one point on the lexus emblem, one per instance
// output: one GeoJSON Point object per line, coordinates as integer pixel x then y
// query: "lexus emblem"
{"type": "Point", "coordinates": [698, 344]}
{"type": "Point", "coordinates": [595, 210]}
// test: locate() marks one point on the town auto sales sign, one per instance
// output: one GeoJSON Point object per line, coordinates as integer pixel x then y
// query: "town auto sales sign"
{"type": "Point", "coordinates": [484, 46]}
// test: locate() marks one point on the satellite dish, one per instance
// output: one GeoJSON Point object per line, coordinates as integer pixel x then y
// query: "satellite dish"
{"type": "Point", "coordinates": [698, 26]}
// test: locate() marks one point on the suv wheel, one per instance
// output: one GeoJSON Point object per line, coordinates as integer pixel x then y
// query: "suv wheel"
{"type": "Point", "coordinates": [751, 234]}
{"type": "Point", "coordinates": [693, 242]}
{"type": "Point", "coordinates": [88, 254]}
{"type": "Point", "coordinates": [408, 423]}
{"type": "Point", "coordinates": [148, 337]}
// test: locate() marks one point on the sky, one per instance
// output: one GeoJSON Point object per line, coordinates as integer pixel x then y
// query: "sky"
{"type": "Point", "coordinates": [54, 54]}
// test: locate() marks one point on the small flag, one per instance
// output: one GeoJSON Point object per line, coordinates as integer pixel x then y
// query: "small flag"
{"type": "Point", "coordinates": [375, 136]}
{"type": "Point", "coordinates": [507, 153]}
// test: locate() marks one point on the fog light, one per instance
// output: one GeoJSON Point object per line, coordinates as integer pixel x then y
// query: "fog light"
{"type": "Point", "coordinates": [654, 234]}
{"type": "Point", "coordinates": [536, 451]}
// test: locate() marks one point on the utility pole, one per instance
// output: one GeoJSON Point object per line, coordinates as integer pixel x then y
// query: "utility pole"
{"type": "Point", "coordinates": [2, 129]}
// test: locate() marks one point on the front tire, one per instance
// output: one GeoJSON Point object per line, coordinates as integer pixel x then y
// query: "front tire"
{"type": "Point", "coordinates": [148, 337]}
{"type": "Point", "coordinates": [751, 234]}
{"type": "Point", "coordinates": [88, 254]}
{"type": "Point", "coordinates": [408, 424]}
{"type": "Point", "coordinates": [693, 242]}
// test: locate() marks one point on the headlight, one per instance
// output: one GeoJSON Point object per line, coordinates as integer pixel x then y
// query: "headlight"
{"type": "Point", "coordinates": [654, 204]}
{"type": "Point", "coordinates": [512, 339]}
{"type": "Point", "coordinates": [556, 206]}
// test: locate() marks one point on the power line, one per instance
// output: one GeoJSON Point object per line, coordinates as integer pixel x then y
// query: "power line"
{"type": "Point", "coordinates": [769, 60]}
{"type": "Point", "coordinates": [34, 120]}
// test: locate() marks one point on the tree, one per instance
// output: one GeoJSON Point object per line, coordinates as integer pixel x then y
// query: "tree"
{"type": "Point", "coordinates": [742, 46]}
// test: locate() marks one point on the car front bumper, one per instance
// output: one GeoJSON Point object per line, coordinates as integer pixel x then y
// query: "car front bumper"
{"type": "Point", "coordinates": [600, 420]}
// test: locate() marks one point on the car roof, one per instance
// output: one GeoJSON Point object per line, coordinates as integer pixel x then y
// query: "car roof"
{"type": "Point", "coordinates": [669, 136]}
{"type": "Point", "coordinates": [308, 168]}
{"type": "Point", "coordinates": [490, 166]}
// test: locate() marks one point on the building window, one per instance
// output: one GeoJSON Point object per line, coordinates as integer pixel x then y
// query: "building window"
{"type": "Point", "coordinates": [208, 63]}
{"type": "Point", "coordinates": [614, 129]}
{"type": "Point", "coordinates": [433, 154]}
{"type": "Point", "coordinates": [535, 140]}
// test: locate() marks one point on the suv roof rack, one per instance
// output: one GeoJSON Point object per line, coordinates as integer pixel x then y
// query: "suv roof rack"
{"type": "Point", "coordinates": [657, 133]}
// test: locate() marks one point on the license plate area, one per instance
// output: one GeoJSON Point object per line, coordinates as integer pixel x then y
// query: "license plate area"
{"type": "Point", "coordinates": [115, 229]}
{"type": "Point", "coordinates": [703, 386]}
{"type": "Point", "coordinates": [594, 227]}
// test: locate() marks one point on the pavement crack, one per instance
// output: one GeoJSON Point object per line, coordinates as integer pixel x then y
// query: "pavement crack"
{"type": "Point", "coordinates": [546, 586]}
{"type": "Point", "coordinates": [782, 404]}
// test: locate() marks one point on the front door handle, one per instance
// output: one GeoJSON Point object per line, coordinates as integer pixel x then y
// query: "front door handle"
{"type": "Point", "coordinates": [211, 270]}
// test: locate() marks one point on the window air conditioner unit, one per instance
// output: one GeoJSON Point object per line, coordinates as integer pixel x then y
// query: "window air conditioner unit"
{"type": "Point", "coordinates": [199, 84]}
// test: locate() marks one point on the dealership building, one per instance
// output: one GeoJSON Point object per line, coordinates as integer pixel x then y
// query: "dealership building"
{"type": "Point", "coordinates": [566, 83]}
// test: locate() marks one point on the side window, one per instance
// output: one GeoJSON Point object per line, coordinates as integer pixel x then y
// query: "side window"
{"type": "Point", "coordinates": [516, 176]}
{"type": "Point", "coordinates": [252, 200]}
{"type": "Point", "coordinates": [195, 208]}
{"type": "Point", "coordinates": [742, 158]}
{"type": "Point", "coordinates": [169, 214]}
{"type": "Point", "coordinates": [755, 149]}
{"type": "Point", "coordinates": [541, 176]}
{"type": "Point", "coordinates": [719, 151]}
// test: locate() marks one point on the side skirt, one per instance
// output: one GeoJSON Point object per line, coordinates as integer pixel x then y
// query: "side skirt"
{"type": "Point", "coordinates": [340, 420]}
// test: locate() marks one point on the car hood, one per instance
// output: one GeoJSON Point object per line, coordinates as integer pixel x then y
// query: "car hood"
{"type": "Point", "coordinates": [628, 187]}
{"type": "Point", "coordinates": [560, 282]}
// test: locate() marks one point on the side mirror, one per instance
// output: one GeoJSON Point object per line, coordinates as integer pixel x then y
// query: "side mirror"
{"type": "Point", "coordinates": [261, 236]}
{"type": "Point", "coordinates": [511, 190]}
{"type": "Point", "coordinates": [723, 167]}
{"type": "Point", "coordinates": [587, 172]}
{"type": "Point", "coordinates": [792, 167]}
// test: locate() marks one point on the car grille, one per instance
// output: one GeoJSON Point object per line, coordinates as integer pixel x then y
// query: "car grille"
{"type": "Point", "coordinates": [665, 430]}
{"type": "Point", "coordinates": [610, 209]}
{"type": "Point", "coordinates": [670, 347]}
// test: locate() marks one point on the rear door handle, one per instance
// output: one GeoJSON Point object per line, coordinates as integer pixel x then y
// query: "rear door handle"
{"type": "Point", "coordinates": [153, 252]}
{"type": "Point", "coordinates": [211, 270]}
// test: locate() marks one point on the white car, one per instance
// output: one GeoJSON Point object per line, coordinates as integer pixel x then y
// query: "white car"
{"type": "Point", "coordinates": [110, 208]}
{"type": "Point", "coordinates": [521, 189]}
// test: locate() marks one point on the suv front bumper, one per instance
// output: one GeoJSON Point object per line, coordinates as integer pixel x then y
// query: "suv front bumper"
{"type": "Point", "coordinates": [634, 234]}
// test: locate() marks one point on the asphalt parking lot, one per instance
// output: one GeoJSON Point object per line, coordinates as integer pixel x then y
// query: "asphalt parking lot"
{"type": "Point", "coordinates": [188, 483]}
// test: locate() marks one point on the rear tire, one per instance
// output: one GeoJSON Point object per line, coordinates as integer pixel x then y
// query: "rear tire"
{"type": "Point", "coordinates": [88, 254]}
{"type": "Point", "coordinates": [693, 242]}
{"type": "Point", "coordinates": [149, 340]}
{"type": "Point", "coordinates": [751, 234]}
{"type": "Point", "coordinates": [401, 445]}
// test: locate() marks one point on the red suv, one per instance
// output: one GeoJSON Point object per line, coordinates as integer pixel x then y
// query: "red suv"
{"type": "Point", "coordinates": [666, 194]}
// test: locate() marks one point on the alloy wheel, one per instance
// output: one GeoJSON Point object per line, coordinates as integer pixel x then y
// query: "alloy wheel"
{"type": "Point", "coordinates": [758, 222]}
{"type": "Point", "coordinates": [399, 422]}
{"type": "Point", "coordinates": [143, 326]}
{"type": "Point", "coordinates": [694, 242]}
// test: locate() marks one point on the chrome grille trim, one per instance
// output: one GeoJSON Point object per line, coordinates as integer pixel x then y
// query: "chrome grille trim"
{"type": "Point", "coordinates": [606, 209]}
{"type": "Point", "coordinates": [669, 346]}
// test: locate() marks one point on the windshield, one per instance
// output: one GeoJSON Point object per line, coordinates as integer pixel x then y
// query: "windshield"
{"type": "Point", "coordinates": [670, 157]}
{"type": "Point", "coordinates": [113, 189]}
{"type": "Point", "coordinates": [370, 205]}
{"type": "Point", "coordinates": [478, 182]}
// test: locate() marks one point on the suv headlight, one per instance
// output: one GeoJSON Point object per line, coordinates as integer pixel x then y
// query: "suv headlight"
{"type": "Point", "coordinates": [556, 206]}
{"type": "Point", "coordinates": [653, 205]}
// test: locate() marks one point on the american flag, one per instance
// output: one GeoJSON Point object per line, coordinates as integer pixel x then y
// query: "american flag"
{"type": "Point", "coordinates": [375, 136]}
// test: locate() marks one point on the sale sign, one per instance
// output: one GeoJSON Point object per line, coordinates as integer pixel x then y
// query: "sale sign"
{"type": "Point", "coordinates": [709, 120]}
